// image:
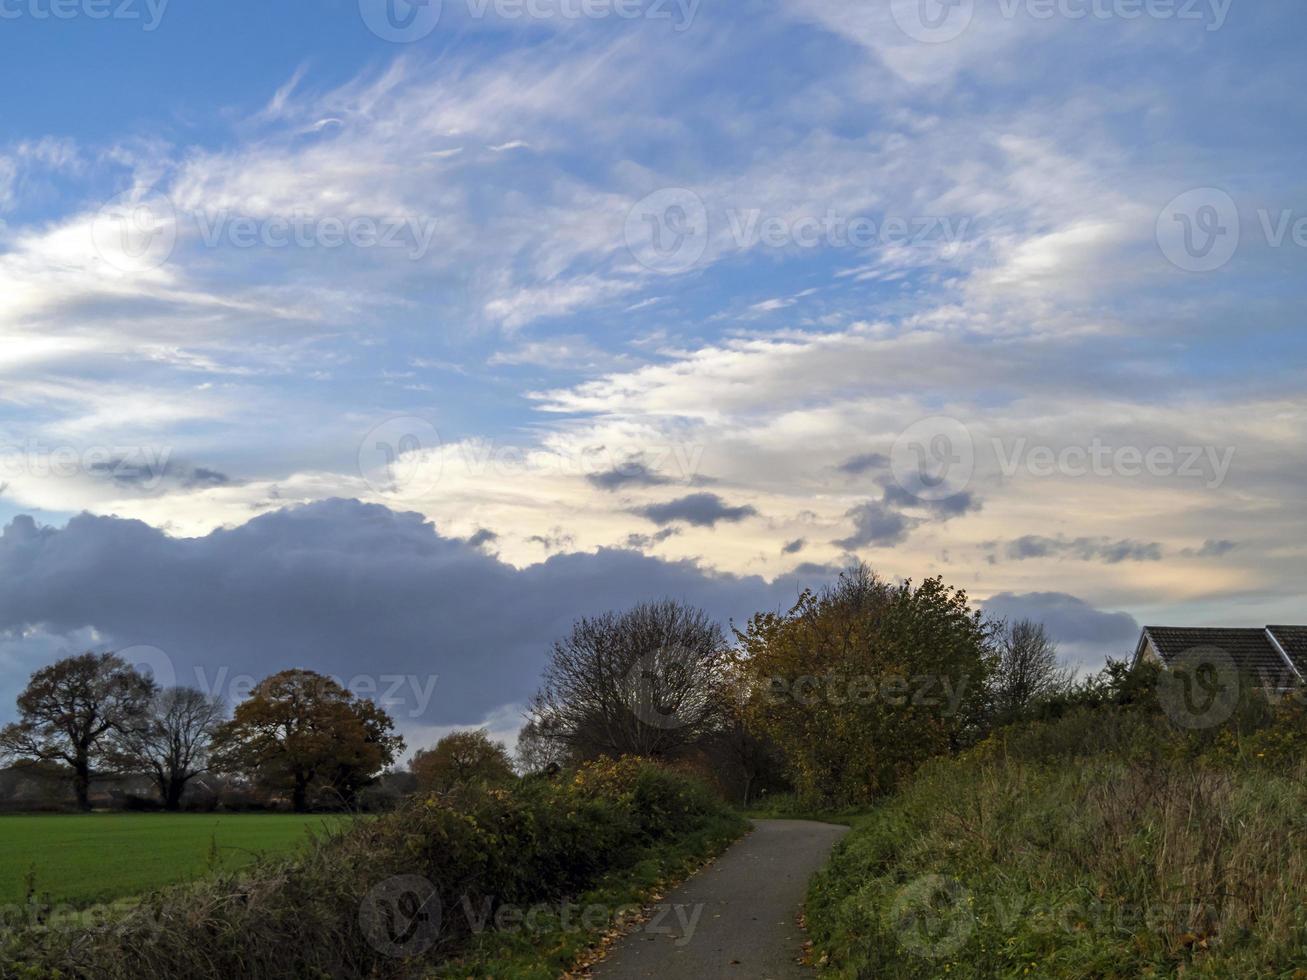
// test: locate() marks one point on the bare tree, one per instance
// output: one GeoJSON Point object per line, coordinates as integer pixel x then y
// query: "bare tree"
{"type": "Point", "coordinates": [539, 748]}
{"type": "Point", "coordinates": [71, 709]}
{"type": "Point", "coordinates": [644, 682]}
{"type": "Point", "coordinates": [1027, 669]}
{"type": "Point", "coordinates": [173, 744]}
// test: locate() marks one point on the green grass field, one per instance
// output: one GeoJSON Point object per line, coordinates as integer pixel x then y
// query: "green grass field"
{"type": "Point", "coordinates": [86, 859]}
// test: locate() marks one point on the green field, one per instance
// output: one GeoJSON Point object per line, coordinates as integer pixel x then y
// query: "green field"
{"type": "Point", "coordinates": [85, 859]}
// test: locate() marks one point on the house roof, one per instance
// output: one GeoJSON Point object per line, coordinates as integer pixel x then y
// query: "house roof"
{"type": "Point", "coordinates": [1250, 650]}
{"type": "Point", "coordinates": [1293, 641]}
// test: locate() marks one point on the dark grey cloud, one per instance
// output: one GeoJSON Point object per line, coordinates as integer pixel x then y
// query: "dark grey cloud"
{"type": "Point", "coordinates": [555, 540]}
{"type": "Point", "coordinates": [631, 474]}
{"type": "Point", "coordinates": [865, 463]}
{"type": "Point", "coordinates": [337, 586]}
{"type": "Point", "coordinates": [960, 503]}
{"type": "Point", "coordinates": [698, 509]}
{"type": "Point", "coordinates": [202, 476]}
{"type": "Point", "coordinates": [1086, 634]}
{"type": "Point", "coordinates": [482, 536]}
{"type": "Point", "coordinates": [794, 547]}
{"type": "Point", "coordinates": [1104, 550]}
{"type": "Point", "coordinates": [1211, 548]}
{"type": "Point", "coordinates": [643, 542]}
{"type": "Point", "coordinates": [148, 471]}
{"type": "Point", "coordinates": [876, 525]}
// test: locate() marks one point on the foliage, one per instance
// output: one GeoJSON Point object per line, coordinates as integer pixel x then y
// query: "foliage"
{"type": "Point", "coordinates": [1106, 843]}
{"type": "Point", "coordinates": [462, 759]}
{"type": "Point", "coordinates": [299, 730]}
{"type": "Point", "coordinates": [480, 850]}
{"type": "Point", "coordinates": [69, 712]}
{"type": "Point", "coordinates": [861, 683]}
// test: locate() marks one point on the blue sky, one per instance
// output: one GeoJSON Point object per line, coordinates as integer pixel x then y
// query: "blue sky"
{"type": "Point", "coordinates": [703, 284]}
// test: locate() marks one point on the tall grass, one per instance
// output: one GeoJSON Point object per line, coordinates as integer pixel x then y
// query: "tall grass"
{"type": "Point", "coordinates": [1084, 848]}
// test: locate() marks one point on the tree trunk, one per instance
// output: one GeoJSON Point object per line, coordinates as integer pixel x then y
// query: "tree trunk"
{"type": "Point", "coordinates": [299, 798]}
{"type": "Point", "coordinates": [82, 785]}
{"type": "Point", "coordinates": [172, 797]}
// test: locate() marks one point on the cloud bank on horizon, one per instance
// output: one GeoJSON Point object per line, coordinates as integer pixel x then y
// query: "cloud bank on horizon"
{"type": "Point", "coordinates": [683, 296]}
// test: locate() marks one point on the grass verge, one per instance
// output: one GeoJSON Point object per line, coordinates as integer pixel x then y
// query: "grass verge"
{"type": "Point", "coordinates": [1115, 864]}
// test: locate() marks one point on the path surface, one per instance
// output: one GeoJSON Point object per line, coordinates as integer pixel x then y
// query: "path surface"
{"type": "Point", "coordinates": [737, 917]}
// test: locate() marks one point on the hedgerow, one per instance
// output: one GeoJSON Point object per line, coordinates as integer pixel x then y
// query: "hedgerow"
{"type": "Point", "coordinates": [390, 896]}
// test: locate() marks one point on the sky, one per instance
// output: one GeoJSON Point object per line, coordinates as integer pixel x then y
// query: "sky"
{"type": "Point", "coordinates": [385, 339]}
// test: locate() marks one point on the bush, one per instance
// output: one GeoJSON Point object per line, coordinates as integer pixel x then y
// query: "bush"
{"type": "Point", "coordinates": [1102, 845]}
{"type": "Point", "coordinates": [480, 850]}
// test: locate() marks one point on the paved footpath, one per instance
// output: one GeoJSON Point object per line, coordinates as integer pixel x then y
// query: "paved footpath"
{"type": "Point", "coordinates": [737, 917]}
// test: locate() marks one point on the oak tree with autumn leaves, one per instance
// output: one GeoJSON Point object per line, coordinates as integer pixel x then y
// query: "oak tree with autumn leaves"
{"type": "Point", "coordinates": [300, 732]}
{"type": "Point", "coordinates": [70, 713]}
{"type": "Point", "coordinates": [862, 682]}
{"type": "Point", "coordinates": [464, 758]}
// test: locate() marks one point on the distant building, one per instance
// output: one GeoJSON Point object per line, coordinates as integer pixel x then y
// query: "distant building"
{"type": "Point", "coordinates": [1277, 655]}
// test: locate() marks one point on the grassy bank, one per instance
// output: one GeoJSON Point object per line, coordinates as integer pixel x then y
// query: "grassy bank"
{"type": "Point", "coordinates": [1045, 854]}
{"type": "Point", "coordinates": [485, 882]}
{"type": "Point", "coordinates": [83, 859]}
